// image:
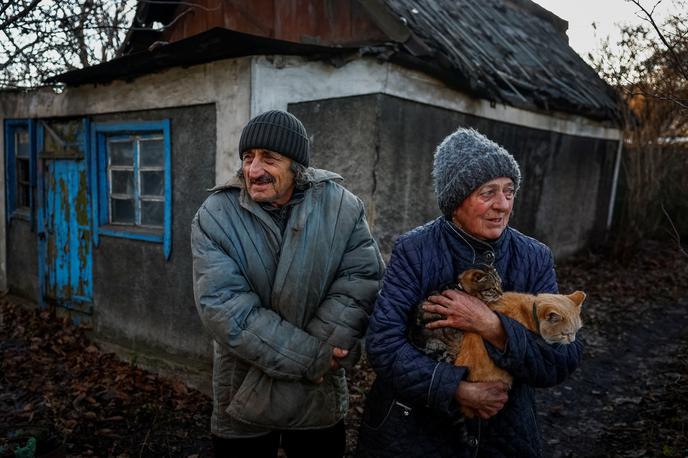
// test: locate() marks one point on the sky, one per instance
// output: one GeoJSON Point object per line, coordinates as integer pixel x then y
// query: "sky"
{"type": "Point", "coordinates": [606, 14]}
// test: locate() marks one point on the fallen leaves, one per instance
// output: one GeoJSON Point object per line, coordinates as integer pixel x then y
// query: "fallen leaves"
{"type": "Point", "coordinates": [54, 377]}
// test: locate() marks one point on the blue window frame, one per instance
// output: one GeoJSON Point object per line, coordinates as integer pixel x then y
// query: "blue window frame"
{"type": "Point", "coordinates": [132, 169]}
{"type": "Point", "coordinates": [20, 168]}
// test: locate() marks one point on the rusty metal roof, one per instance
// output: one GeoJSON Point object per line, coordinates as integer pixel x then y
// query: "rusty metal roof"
{"type": "Point", "coordinates": [505, 51]}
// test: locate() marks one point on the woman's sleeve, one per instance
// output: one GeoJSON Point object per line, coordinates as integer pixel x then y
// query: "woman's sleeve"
{"type": "Point", "coordinates": [527, 356]}
{"type": "Point", "coordinates": [414, 376]}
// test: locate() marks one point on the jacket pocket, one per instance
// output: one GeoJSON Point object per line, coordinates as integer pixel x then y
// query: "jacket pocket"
{"type": "Point", "coordinates": [385, 431]}
{"type": "Point", "coordinates": [396, 414]}
{"type": "Point", "coordinates": [278, 404]}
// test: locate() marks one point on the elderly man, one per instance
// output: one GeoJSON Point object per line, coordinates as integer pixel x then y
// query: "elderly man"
{"type": "Point", "coordinates": [413, 407]}
{"type": "Point", "coordinates": [285, 273]}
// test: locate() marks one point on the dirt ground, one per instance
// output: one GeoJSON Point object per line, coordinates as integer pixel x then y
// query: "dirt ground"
{"type": "Point", "coordinates": [628, 399]}
{"type": "Point", "coordinates": [630, 396]}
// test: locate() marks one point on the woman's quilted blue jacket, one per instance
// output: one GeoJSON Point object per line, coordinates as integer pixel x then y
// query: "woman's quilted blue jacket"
{"type": "Point", "coordinates": [426, 260]}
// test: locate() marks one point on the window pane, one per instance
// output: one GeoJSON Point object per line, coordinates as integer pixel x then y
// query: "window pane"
{"type": "Point", "coordinates": [23, 196]}
{"type": "Point", "coordinates": [121, 153]}
{"type": "Point", "coordinates": [152, 213]}
{"type": "Point", "coordinates": [151, 153]}
{"type": "Point", "coordinates": [21, 142]}
{"type": "Point", "coordinates": [152, 183]}
{"type": "Point", "coordinates": [122, 211]}
{"type": "Point", "coordinates": [123, 182]}
{"type": "Point", "coordinates": [23, 184]}
{"type": "Point", "coordinates": [23, 171]}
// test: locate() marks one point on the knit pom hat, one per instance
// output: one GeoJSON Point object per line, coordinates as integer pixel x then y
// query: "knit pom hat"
{"type": "Point", "coordinates": [276, 131]}
{"type": "Point", "coordinates": [464, 161]}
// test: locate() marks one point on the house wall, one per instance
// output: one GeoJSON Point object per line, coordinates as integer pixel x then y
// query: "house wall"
{"type": "Point", "coordinates": [280, 82]}
{"type": "Point", "coordinates": [142, 301]}
{"type": "Point", "coordinates": [143, 306]}
{"type": "Point", "coordinates": [225, 84]}
{"type": "Point", "coordinates": [22, 257]}
{"type": "Point", "coordinates": [375, 123]}
{"type": "Point", "coordinates": [384, 148]}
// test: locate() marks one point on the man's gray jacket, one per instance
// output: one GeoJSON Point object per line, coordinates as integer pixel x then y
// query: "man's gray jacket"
{"type": "Point", "coordinates": [276, 303]}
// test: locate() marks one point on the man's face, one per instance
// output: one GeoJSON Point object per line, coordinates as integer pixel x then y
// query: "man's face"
{"type": "Point", "coordinates": [485, 212]}
{"type": "Point", "coordinates": [268, 176]}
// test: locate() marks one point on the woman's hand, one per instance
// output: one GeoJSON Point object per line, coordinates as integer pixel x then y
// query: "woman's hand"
{"type": "Point", "coordinates": [484, 398]}
{"type": "Point", "coordinates": [461, 311]}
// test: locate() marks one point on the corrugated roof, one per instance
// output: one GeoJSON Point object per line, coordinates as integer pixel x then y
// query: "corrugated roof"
{"type": "Point", "coordinates": [507, 51]}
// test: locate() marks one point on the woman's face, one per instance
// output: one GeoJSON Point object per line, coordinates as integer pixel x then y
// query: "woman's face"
{"type": "Point", "coordinates": [485, 212]}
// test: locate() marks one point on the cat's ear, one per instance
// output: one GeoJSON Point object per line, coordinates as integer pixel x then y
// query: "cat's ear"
{"type": "Point", "coordinates": [478, 275]}
{"type": "Point", "coordinates": [577, 297]}
{"type": "Point", "coordinates": [553, 317]}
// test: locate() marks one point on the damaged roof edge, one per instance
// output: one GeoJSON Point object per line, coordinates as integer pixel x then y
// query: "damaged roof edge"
{"type": "Point", "coordinates": [214, 44]}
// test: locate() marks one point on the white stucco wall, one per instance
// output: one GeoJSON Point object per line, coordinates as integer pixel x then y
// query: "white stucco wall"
{"type": "Point", "coordinates": [280, 80]}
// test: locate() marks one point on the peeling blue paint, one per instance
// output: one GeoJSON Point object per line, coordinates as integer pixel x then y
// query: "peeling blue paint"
{"type": "Point", "coordinates": [64, 224]}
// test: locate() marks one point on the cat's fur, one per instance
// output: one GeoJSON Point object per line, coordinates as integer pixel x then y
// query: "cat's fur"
{"type": "Point", "coordinates": [556, 317]}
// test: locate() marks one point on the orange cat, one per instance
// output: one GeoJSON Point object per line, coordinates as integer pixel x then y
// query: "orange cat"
{"type": "Point", "coordinates": [556, 317]}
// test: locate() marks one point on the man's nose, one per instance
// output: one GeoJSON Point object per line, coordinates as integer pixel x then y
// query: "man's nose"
{"type": "Point", "coordinates": [255, 170]}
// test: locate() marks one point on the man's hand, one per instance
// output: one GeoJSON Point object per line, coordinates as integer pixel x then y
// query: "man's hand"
{"type": "Point", "coordinates": [461, 311]}
{"type": "Point", "coordinates": [337, 354]}
{"type": "Point", "coordinates": [484, 398]}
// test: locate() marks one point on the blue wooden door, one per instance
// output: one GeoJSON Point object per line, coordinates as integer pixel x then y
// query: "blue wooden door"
{"type": "Point", "coordinates": [65, 232]}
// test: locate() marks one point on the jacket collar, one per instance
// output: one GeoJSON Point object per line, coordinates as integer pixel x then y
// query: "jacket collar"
{"type": "Point", "coordinates": [482, 251]}
{"type": "Point", "coordinates": [313, 176]}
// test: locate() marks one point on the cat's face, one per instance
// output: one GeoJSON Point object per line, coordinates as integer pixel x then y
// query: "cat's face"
{"type": "Point", "coordinates": [484, 284]}
{"type": "Point", "coordinates": [559, 316]}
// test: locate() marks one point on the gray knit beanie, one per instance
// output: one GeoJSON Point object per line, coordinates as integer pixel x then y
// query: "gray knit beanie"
{"type": "Point", "coordinates": [464, 161]}
{"type": "Point", "coordinates": [276, 131]}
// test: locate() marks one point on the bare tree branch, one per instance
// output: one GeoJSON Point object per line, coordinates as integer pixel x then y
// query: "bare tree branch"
{"type": "Point", "coordinates": [675, 233]}
{"type": "Point", "coordinates": [19, 51]}
{"type": "Point", "coordinates": [648, 69]}
{"type": "Point", "coordinates": [21, 14]}
{"type": "Point", "coordinates": [47, 38]}
{"type": "Point", "coordinates": [660, 35]}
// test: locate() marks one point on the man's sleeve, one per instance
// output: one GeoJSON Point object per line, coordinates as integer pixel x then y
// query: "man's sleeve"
{"type": "Point", "coordinates": [342, 318]}
{"type": "Point", "coordinates": [235, 318]}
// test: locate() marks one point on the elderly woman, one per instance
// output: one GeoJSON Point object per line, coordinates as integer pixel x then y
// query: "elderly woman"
{"type": "Point", "coordinates": [413, 408]}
